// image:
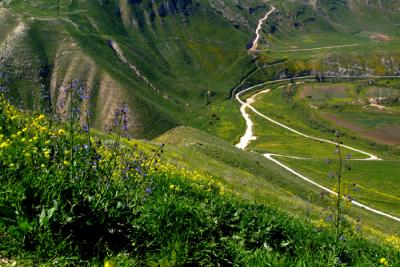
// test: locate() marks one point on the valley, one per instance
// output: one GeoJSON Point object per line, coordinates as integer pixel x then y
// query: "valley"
{"type": "Point", "coordinates": [248, 137]}
{"type": "Point", "coordinates": [243, 133]}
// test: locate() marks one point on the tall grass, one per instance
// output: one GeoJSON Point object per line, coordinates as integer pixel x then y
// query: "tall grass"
{"type": "Point", "coordinates": [112, 203]}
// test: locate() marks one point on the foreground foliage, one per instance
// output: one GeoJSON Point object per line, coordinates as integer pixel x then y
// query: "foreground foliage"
{"type": "Point", "coordinates": [74, 198]}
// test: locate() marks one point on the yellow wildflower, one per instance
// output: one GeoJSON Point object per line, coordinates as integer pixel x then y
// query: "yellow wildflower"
{"type": "Point", "coordinates": [41, 117]}
{"type": "Point", "coordinates": [393, 241]}
{"type": "Point", "coordinates": [4, 145]}
{"type": "Point", "coordinates": [66, 163]}
{"type": "Point", "coordinates": [172, 186]}
{"type": "Point", "coordinates": [42, 166]}
{"type": "Point", "coordinates": [42, 129]}
{"type": "Point", "coordinates": [383, 262]}
{"type": "Point", "coordinates": [108, 264]}
{"type": "Point", "coordinates": [321, 224]}
{"type": "Point", "coordinates": [47, 154]}
{"type": "Point", "coordinates": [47, 142]}
{"type": "Point", "coordinates": [61, 132]}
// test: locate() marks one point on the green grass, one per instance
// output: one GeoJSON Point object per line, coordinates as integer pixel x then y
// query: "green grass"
{"type": "Point", "coordinates": [353, 104]}
{"type": "Point", "coordinates": [221, 119]}
{"type": "Point", "coordinates": [272, 138]}
{"type": "Point", "coordinates": [299, 115]}
{"type": "Point", "coordinates": [375, 182]}
{"type": "Point", "coordinates": [195, 60]}
{"type": "Point", "coordinates": [331, 23]}
{"type": "Point", "coordinates": [184, 55]}
{"type": "Point", "coordinates": [258, 179]}
{"type": "Point", "coordinates": [377, 179]}
{"type": "Point", "coordinates": [72, 200]}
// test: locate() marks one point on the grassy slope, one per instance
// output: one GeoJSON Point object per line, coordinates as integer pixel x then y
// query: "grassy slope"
{"type": "Point", "coordinates": [183, 54]}
{"type": "Point", "coordinates": [128, 209]}
{"type": "Point", "coordinates": [257, 178]}
{"type": "Point", "coordinates": [197, 70]}
{"type": "Point", "coordinates": [375, 183]}
{"type": "Point", "coordinates": [299, 115]}
{"type": "Point", "coordinates": [296, 25]}
{"type": "Point", "coordinates": [377, 180]}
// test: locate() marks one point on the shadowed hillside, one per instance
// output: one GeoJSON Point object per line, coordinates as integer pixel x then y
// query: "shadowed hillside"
{"type": "Point", "coordinates": [161, 58]}
{"type": "Point", "coordinates": [167, 60]}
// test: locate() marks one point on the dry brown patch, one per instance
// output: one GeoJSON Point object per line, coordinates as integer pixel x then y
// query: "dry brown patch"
{"type": "Point", "coordinates": [337, 91]}
{"type": "Point", "coordinates": [388, 135]}
{"type": "Point", "coordinates": [380, 37]}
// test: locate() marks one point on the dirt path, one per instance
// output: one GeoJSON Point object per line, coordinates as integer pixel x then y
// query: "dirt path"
{"type": "Point", "coordinates": [356, 203]}
{"type": "Point", "coordinates": [248, 105]}
{"type": "Point", "coordinates": [308, 49]}
{"type": "Point", "coordinates": [260, 24]}
{"type": "Point", "coordinates": [248, 136]}
{"type": "Point", "coordinates": [245, 140]}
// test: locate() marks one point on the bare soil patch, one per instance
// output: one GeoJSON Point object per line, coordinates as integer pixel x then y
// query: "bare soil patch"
{"type": "Point", "coordinates": [388, 135]}
{"type": "Point", "coordinates": [380, 37]}
{"type": "Point", "coordinates": [320, 92]}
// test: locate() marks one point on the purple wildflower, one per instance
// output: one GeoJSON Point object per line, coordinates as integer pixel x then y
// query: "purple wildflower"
{"type": "Point", "coordinates": [85, 128]}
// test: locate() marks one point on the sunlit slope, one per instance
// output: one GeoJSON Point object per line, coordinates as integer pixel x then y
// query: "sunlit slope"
{"type": "Point", "coordinates": [162, 59]}
{"type": "Point", "coordinates": [334, 37]}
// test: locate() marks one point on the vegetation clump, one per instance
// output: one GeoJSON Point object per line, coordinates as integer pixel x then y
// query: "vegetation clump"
{"type": "Point", "coordinates": [70, 197]}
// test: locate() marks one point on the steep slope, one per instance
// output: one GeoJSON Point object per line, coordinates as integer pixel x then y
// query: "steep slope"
{"type": "Point", "coordinates": [336, 37]}
{"type": "Point", "coordinates": [167, 60]}
{"type": "Point", "coordinates": [161, 58]}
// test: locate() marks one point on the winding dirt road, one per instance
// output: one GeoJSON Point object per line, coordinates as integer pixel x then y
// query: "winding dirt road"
{"type": "Point", "coordinates": [308, 49]}
{"type": "Point", "coordinates": [259, 27]}
{"type": "Point", "coordinates": [245, 140]}
{"type": "Point", "coordinates": [249, 136]}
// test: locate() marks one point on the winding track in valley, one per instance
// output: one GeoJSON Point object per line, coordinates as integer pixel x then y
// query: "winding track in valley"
{"type": "Point", "coordinates": [249, 136]}
{"type": "Point", "coordinates": [307, 49]}
{"type": "Point", "coordinates": [259, 27]}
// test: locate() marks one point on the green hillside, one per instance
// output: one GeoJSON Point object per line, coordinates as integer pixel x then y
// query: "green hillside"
{"type": "Point", "coordinates": [167, 60]}
{"type": "Point", "coordinates": [162, 59]}
{"type": "Point", "coordinates": [336, 37]}
{"type": "Point", "coordinates": [119, 120]}
{"type": "Point", "coordinates": [132, 206]}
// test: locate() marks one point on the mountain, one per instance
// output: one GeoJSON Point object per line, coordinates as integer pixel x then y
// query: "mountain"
{"type": "Point", "coordinates": [336, 37]}
{"type": "Point", "coordinates": [118, 120]}
{"type": "Point", "coordinates": [163, 59]}
{"type": "Point", "coordinates": [166, 60]}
